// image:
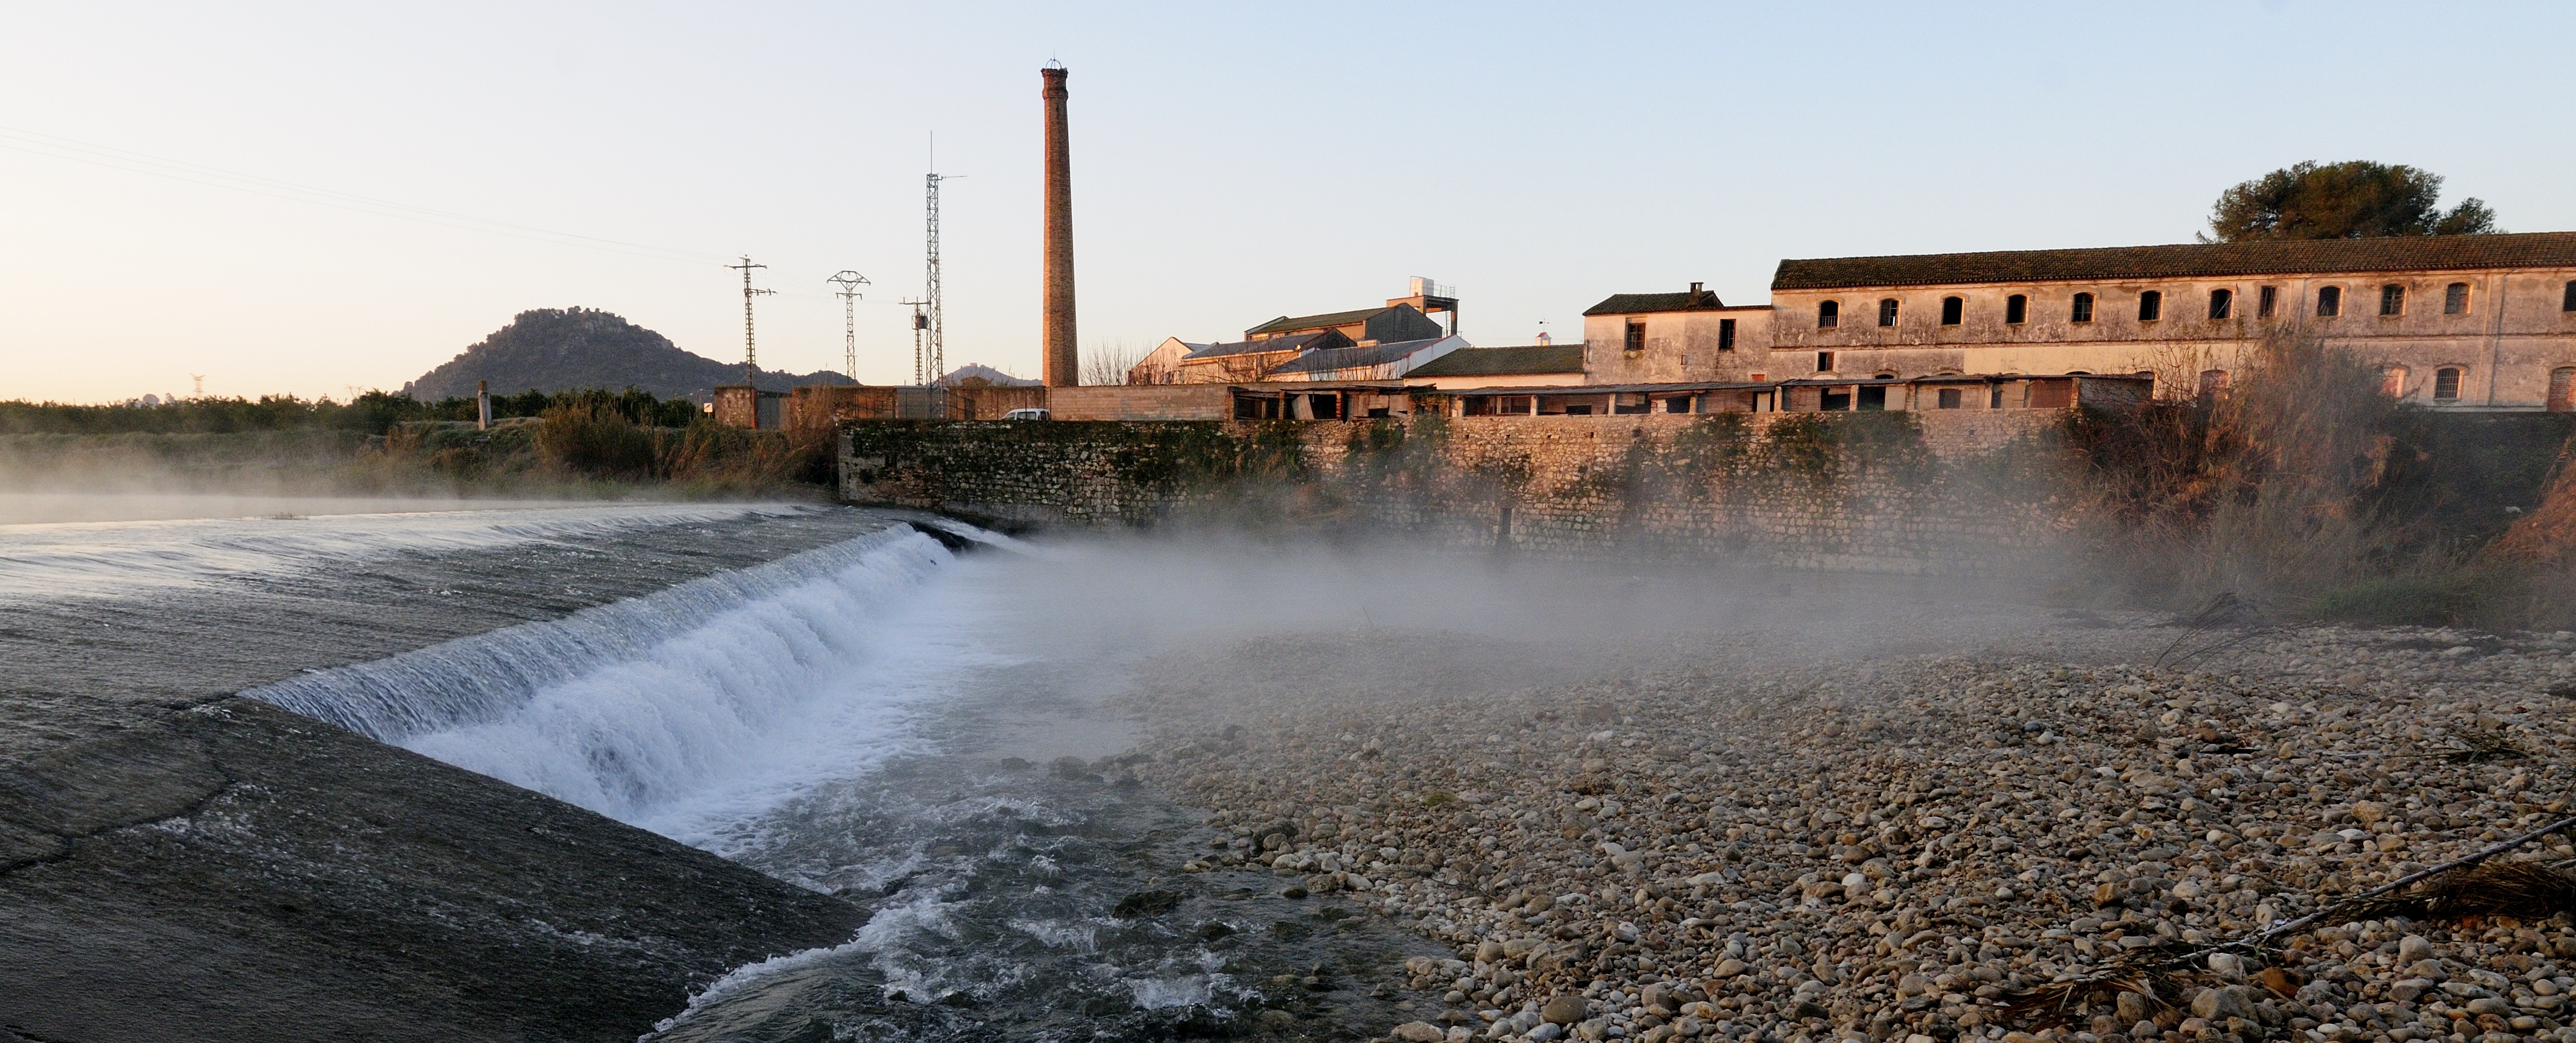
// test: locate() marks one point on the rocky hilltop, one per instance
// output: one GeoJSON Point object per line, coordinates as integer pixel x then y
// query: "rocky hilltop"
{"type": "Point", "coordinates": [571, 349]}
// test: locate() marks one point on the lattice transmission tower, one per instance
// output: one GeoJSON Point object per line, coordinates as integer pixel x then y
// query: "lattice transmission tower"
{"type": "Point", "coordinates": [935, 351]}
{"type": "Point", "coordinates": [849, 281]}
{"type": "Point", "coordinates": [750, 352]}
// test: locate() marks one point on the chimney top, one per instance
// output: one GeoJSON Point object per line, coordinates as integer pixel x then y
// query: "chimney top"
{"type": "Point", "coordinates": [1695, 292]}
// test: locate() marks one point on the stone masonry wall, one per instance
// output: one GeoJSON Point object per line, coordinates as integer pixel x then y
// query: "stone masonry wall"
{"type": "Point", "coordinates": [1904, 492]}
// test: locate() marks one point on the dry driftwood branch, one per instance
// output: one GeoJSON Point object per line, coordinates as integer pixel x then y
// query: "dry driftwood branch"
{"type": "Point", "coordinates": [2162, 972]}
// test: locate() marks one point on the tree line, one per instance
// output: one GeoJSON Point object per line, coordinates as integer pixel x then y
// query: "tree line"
{"type": "Point", "coordinates": [374, 412]}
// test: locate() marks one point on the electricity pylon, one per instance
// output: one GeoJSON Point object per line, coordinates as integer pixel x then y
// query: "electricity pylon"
{"type": "Point", "coordinates": [850, 282]}
{"type": "Point", "coordinates": [750, 352]}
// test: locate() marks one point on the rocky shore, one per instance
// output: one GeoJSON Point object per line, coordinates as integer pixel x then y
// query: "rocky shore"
{"type": "Point", "coordinates": [1710, 839]}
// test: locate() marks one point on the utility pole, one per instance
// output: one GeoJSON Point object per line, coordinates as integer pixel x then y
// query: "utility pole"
{"type": "Point", "coordinates": [920, 325]}
{"type": "Point", "coordinates": [750, 353]}
{"type": "Point", "coordinates": [200, 380]}
{"type": "Point", "coordinates": [850, 282]}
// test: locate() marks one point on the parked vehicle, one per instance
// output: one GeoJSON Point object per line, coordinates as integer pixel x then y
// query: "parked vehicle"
{"type": "Point", "coordinates": [1028, 414]}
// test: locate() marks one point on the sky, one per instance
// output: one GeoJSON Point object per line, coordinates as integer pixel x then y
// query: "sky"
{"type": "Point", "coordinates": [322, 199]}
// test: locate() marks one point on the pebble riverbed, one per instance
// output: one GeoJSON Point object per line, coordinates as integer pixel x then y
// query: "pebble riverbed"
{"type": "Point", "coordinates": [1708, 839]}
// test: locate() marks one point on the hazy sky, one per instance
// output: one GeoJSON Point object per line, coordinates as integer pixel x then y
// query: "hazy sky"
{"type": "Point", "coordinates": [1231, 163]}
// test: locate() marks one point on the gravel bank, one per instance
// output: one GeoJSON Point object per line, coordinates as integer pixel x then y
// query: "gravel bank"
{"type": "Point", "coordinates": [1710, 839]}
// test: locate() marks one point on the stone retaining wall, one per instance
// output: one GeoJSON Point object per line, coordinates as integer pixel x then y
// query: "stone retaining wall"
{"type": "Point", "coordinates": [1906, 492]}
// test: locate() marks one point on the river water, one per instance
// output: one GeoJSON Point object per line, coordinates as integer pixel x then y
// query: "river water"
{"type": "Point", "coordinates": [909, 718]}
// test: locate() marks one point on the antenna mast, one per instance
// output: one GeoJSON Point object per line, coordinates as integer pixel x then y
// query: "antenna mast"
{"type": "Point", "coordinates": [936, 351]}
{"type": "Point", "coordinates": [750, 353]}
{"type": "Point", "coordinates": [850, 282]}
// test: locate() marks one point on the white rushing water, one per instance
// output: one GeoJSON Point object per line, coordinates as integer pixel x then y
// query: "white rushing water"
{"type": "Point", "coordinates": [692, 709]}
{"type": "Point", "coordinates": [123, 558]}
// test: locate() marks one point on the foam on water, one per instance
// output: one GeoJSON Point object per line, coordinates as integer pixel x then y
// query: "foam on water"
{"type": "Point", "coordinates": [690, 711]}
{"type": "Point", "coordinates": [122, 558]}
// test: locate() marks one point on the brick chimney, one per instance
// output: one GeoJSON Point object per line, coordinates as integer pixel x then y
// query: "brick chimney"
{"type": "Point", "coordinates": [1063, 365]}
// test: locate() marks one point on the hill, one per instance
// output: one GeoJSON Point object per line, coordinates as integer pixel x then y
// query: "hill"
{"type": "Point", "coordinates": [570, 349]}
{"type": "Point", "coordinates": [978, 371]}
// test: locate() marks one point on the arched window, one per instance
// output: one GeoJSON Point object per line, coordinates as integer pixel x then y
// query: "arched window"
{"type": "Point", "coordinates": [2016, 309]}
{"type": "Point", "coordinates": [2329, 301]}
{"type": "Point", "coordinates": [2446, 384]}
{"type": "Point", "coordinates": [2392, 300]}
{"type": "Point", "coordinates": [1828, 315]}
{"type": "Point", "coordinates": [1887, 312]}
{"type": "Point", "coordinates": [2151, 306]}
{"type": "Point", "coordinates": [2455, 299]}
{"type": "Point", "coordinates": [2562, 390]}
{"type": "Point", "coordinates": [1952, 310]}
{"type": "Point", "coordinates": [2221, 302]}
{"type": "Point", "coordinates": [2392, 382]}
{"type": "Point", "coordinates": [2083, 310]}
{"type": "Point", "coordinates": [2213, 382]}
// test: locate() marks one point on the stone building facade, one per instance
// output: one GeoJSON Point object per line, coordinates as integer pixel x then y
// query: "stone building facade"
{"type": "Point", "coordinates": [2463, 322]}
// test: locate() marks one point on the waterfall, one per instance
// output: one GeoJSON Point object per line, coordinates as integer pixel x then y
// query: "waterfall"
{"type": "Point", "coordinates": [632, 708]}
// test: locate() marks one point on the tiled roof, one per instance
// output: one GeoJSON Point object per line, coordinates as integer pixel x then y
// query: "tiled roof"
{"type": "Point", "coordinates": [1636, 303]}
{"type": "Point", "coordinates": [1504, 362]}
{"type": "Point", "coordinates": [2187, 261]}
{"type": "Point", "coordinates": [1328, 359]}
{"type": "Point", "coordinates": [1308, 322]}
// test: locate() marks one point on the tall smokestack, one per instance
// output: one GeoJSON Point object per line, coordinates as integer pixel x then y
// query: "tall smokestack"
{"type": "Point", "coordinates": [1063, 365]}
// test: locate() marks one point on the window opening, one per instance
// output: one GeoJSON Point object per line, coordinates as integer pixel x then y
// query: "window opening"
{"type": "Point", "coordinates": [2446, 384]}
{"type": "Point", "coordinates": [2562, 390]}
{"type": "Point", "coordinates": [2016, 309]}
{"type": "Point", "coordinates": [1835, 400]}
{"type": "Point", "coordinates": [2392, 300]}
{"type": "Point", "coordinates": [1887, 312]}
{"type": "Point", "coordinates": [2083, 311]}
{"type": "Point", "coordinates": [1827, 315]}
{"type": "Point", "coordinates": [1636, 336]}
{"type": "Point", "coordinates": [1824, 362]}
{"type": "Point", "coordinates": [1726, 334]}
{"type": "Point", "coordinates": [2151, 306]}
{"type": "Point", "coordinates": [2568, 303]}
{"type": "Point", "coordinates": [1995, 397]}
{"type": "Point", "coordinates": [1952, 310]}
{"type": "Point", "coordinates": [2329, 301]}
{"type": "Point", "coordinates": [2392, 382]}
{"type": "Point", "coordinates": [1872, 397]}
{"type": "Point", "coordinates": [1949, 398]}
{"type": "Point", "coordinates": [2213, 382]}
{"type": "Point", "coordinates": [2455, 299]}
{"type": "Point", "coordinates": [2264, 299]}
{"type": "Point", "coordinates": [2221, 302]}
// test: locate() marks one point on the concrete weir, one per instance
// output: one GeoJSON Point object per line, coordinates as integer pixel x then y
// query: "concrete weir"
{"type": "Point", "coordinates": [181, 863]}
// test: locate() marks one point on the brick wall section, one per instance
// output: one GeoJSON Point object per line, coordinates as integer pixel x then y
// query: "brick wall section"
{"type": "Point", "coordinates": [1897, 492]}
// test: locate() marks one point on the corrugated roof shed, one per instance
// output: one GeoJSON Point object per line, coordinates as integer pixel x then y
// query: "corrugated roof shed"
{"type": "Point", "coordinates": [1504, 362]}
{"type": "Point", "coordinates": [1295, 342]}
{"type": "Point", "coordinates": [2187, 261]}
{"type": "Point", "coordinates": [1308, 322]}
{"type": "Point", "coordinates": [1635, 303]}
{"type": "Point", "coordinates": [1328, 359]}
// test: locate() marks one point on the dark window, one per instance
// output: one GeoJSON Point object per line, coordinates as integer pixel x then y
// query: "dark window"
{"type": "Point", "coordinates": [2329, 301]}
{"type": "Point", "coordinates": [1952, 309]}
{"type": "Point", "coordinates": [1887, 312]}
{"type": "Point", "coordinates": [2392, 299]}
{"type": "Point", "coordinates": [2446, 383]}
{"type": "Point", "coordinates": [1824, 362]}
{"type": "Point", "coordinates": [1873, 396]}
{"type": "Point", "coordinates": [1995, 397]}
{"type": "Point", "coordinates": [2264, 300]}
{"type": "Point", "coordinates": [1726, 334]}
{"type": "Point", "coordinates": [1636, 336]}
{"type": "Point", "coordinates": [1949, 398]}
{"type": "Point", "coordinates": [2455, 299]}
{"type": "Point", "coordinates": [2151, 306]}
{"type": "Point", "coordinates": [2016, 309]}
{"type": "Point", "coordinates": [2083, 310]}
{"type": "Point", "coordinates": [1677, 405]}
{"type": "Point", "coordinates": [1835, 400]}
{"type": "Point", "coordinates": [1830, 313]}
{"type": "Point", "coordinates": [2221, 302]}
{"type": "Point", "coordinates": [2568, 302]}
